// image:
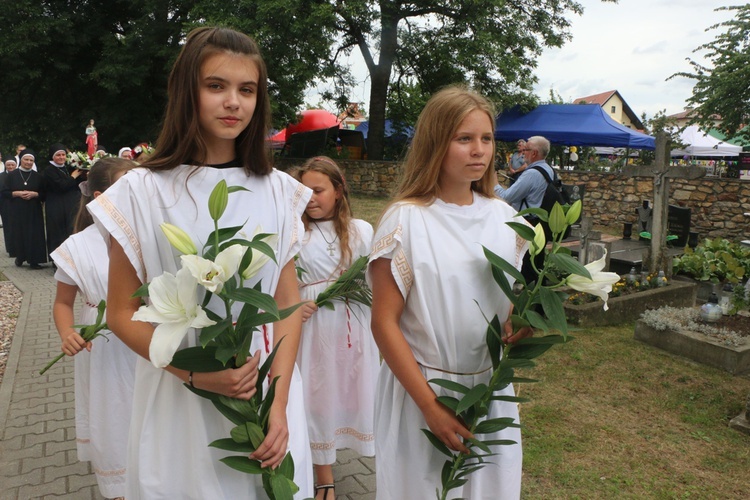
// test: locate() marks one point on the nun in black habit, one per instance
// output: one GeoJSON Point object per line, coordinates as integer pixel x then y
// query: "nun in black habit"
{"type": "Point", "coordinates": [10, 166]}
{"type": "Point", "coordinates": [25, 188]}
{"type": "Point", "coordinates": [62, 196]}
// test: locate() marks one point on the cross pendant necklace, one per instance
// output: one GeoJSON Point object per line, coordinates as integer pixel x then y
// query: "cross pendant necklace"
{"type": "Point", "coordinates": [331, 248]}
{"type": "Point", "coordinates": [26, 179]}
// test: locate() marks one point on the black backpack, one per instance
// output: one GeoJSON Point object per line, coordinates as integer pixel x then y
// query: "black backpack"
{"type": "Point", "coordinates": [554, 193]}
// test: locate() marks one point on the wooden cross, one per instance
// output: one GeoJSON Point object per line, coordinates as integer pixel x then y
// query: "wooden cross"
{"type": "Point", "coordinates": [661, 172]}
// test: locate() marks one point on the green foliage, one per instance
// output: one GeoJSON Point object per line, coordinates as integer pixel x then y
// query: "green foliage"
{"type": "Point", "coordinates": [723, 88]}
{"type": "Point", "coordinates": [716, 260]}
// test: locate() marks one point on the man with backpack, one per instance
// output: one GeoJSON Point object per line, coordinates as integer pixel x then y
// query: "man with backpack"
{"type": "Point", "coordinates": [531, 191]}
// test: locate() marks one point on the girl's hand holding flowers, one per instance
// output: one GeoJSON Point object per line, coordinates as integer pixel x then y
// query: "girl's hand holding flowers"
{"type": "Point", "coordinates": [446, 426]}
{"type": "Point", "coordinates": [73, 343]}
{"type": "Point", "coordinates": [236, 383]}
{"type": "Point", "coordinates": [272, 450]}
{"type": "Point", "coordinates": [308, 309]}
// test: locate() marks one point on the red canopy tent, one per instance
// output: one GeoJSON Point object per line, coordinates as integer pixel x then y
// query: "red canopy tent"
{"type": "Point", "coordinates": [307, 120]}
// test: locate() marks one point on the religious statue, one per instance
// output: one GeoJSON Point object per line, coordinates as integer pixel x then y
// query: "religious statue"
{"type": "Point", "coordinates": [92, 139]}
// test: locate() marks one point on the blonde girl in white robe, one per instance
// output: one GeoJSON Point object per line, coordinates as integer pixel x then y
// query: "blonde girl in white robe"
{"type": "Point", "coordinates": [104, 372]}
{"type": "Point", "coordinates": [431, 283]}
{"type": "Point", "coordinates": [338, 357]}
{"type": "Point", "coordinates": [214, 128]}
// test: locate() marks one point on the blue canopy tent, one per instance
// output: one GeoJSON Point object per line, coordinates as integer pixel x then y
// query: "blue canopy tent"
{"type": "Point", "coordinates": [571, 125]}
{"type": "Point", "coordinates": [404, 132]}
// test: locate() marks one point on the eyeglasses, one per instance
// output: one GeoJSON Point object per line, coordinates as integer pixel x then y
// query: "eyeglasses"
{"type": "Point", "coordinates": [527, 149]}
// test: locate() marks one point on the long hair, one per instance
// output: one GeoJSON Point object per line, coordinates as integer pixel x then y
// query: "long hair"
{"type": "Point", "coordinates": [342, 212]}
{"type": "Point", "coordinates": [436, 125]}
{"type": "Point", "coordinates": [102, 175]}
{"type": "Point", "coordinates": [181, 139]}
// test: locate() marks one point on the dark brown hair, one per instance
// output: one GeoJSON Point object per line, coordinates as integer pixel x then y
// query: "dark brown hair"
{"type": "Point", "coordinates": [342, 212]}
{"type": "Point", "coordinates": [181, 139]}
{"type": "Point", "coordinates": [102, 175]}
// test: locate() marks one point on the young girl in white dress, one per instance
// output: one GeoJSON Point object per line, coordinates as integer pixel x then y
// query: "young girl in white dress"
{"type": "Point", "coordinates": [214, 129]}
{"type": "Point", "coordinates": [338, 357]}
{"type": "Point", "coordinates": [431, 283]}
{"type": "Point", "coordinates": [105, 372]}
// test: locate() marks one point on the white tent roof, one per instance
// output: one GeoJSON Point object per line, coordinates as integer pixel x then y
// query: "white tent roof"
{"type": "Point", "coordinates": [699, 143]}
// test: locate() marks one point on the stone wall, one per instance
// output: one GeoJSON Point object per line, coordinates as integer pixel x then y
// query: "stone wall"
{"type": "Point", "coordinates": [717, 205]}
{"type": "Point", "coordinates": [371, 178]}
{"type": "Point", "coordinates": [610, 199]}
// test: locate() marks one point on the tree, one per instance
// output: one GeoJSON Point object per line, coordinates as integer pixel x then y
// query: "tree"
{"type": "Point", "coordinates": [724, 89]}
{"type": "Point", "coordinates": [492, 45]}
{"type": "Point", "coordinates": [64, 63]}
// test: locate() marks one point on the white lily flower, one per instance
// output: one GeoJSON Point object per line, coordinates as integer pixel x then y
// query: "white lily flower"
{"type": "Point", "coordinates": [600, 283]}
{"type": "Point", "coordinates": [174, 307]}
{"type": "Point", "coordinates": [213, 274]}
{"type": "Point", "coordinates": [259, 258]}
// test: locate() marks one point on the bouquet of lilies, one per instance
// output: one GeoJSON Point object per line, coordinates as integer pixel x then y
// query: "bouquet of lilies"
{"type": "Point", "coordinates": [81, 159]}
{"type": "Point", "coordinates": [547, 293]}
{"type": "Point", "coordinates": [228, 260]}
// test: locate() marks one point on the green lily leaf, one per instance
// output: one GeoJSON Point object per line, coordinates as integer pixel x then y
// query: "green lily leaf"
{"type": "Point", "coordinates": [281, 487]}
{"type": "Point", "coordinates": [450, 385]}
{"type": "Point", "coordinates": [523, 230]}
{"type": "Point", "coordinates": [256, 298]}
{"type": "Point", "coordinates": [528, 351]}
{"type": "Point", "coordinates": [568, 264]}
{"type": "Point", "coordinates": [197, 359]}
{"type": "Point", "coordinates": [554, 310]}
{"type": "Point", "coordinates": [230, 445]}
{"type": "Point", "coordinates": [437, 443]}
{"type": "Point", "coordinates": [471, 397]}
{"type": "Point", "coordinates": [209, 333]}
{"type": "Point", "coordinates": [286, 468]}
{"type": "Point", "coordinates": [243, 464]}
{"type": "Point", "coordinates": [448, 401]}
{"type": "Point", "coordinates": [495, 424]}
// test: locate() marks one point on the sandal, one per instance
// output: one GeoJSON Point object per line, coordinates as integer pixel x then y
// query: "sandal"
{"type": "Point", "coordinates": [326, 488]}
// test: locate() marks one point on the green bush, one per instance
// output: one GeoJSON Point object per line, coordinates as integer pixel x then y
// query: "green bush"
{"type": "Point", "coordinates": [717, 261]}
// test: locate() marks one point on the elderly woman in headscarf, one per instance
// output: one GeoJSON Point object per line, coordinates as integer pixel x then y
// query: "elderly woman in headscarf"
{"type": "Point", "coordinates": [62, 196]}
{"type": "Point", "coordinates": [10, 166]}
{"type": "Point", "coordinates": [25, 188]}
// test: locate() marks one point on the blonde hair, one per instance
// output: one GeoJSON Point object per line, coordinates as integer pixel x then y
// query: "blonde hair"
{"type": "Point", "coordinates": [342, 212]}
{"type": "Point", "coordinates": [436, 125]}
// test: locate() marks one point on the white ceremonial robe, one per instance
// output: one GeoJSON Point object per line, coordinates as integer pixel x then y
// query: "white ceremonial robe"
{"type": "Point", "coordinates": [439, 266]}
{"type": "Point", "coordinates": [171, 427]}
{"type": "Point", "coordinates": [105, 376]}
{"type": "Point", "coordinates": [338, 358]}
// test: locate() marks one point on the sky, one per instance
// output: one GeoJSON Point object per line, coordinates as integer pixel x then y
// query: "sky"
{"type": "Point", "coordinates": [632, 46]}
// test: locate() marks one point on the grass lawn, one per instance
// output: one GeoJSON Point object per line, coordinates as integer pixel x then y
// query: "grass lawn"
{"type": "Point", "coordinates": [614, 418]}
{"type": "Point", "coordinates": [368, 208]}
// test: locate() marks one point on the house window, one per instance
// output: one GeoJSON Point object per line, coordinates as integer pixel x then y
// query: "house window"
{"type": "Point", "coordinates": [613, 109]}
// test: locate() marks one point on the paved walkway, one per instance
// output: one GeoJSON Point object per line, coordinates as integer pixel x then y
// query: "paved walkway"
{"type": "Point", "coordinates": [37, 433]}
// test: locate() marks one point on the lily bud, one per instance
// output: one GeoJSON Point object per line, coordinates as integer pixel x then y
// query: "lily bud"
{"type": "Point", "coordinates": [539, 241]}
{"type": "Point", "coordinates": [218, 200]}
{"type": "Point", "coordinates": [557, 222]}
{"type": "Point", "coordinates": [573, 213]}
{"type": "Point", "coordinates": [179, 239]}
